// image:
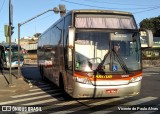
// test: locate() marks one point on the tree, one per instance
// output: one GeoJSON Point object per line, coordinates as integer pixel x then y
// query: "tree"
{"type": "Point", "coordinates": [37, 35]}
{"type": "Point", "coordinates": [152, 24]}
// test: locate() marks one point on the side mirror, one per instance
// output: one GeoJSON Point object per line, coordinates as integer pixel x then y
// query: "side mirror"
{"type": "Point", "coordinates": [146, 38]}
{"type": "Point", "coordinates": [71, 37]}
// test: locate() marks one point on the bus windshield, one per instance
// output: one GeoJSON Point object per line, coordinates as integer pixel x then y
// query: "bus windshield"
{"type": "Point", "coordinates": [110, 52]}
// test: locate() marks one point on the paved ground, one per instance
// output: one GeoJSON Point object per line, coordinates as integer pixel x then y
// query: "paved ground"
{"type": "Point", "coordinates": [18, 84]}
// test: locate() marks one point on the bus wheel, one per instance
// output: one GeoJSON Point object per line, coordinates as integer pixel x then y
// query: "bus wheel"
{"type": "Point", "coordinates": [40, 69]}
{"type": "Point", "coordinates": [61, 86]}
{"type": "Point", "coordinates": [61, 83]}
{"type": "Point", "coordinates": [42, 73]}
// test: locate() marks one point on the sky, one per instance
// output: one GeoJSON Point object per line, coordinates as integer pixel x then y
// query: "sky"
{"type": "Point", "coordinates": [27, 9]}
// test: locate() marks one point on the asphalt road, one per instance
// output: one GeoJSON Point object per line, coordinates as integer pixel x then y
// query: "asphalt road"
{"type": "Point", "coordinates": [47, 97]}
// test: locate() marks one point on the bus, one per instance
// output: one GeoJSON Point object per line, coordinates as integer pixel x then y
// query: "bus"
{"type": "Point", "coordinates": [14, 56]}
{"type": "Point", "coordinates": [93, 54]}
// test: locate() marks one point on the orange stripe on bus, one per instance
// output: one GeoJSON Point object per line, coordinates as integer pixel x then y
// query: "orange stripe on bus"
{"type": "Point", "coordinates": [108, 76]}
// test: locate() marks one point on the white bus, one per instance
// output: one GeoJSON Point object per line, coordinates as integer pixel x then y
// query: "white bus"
{"type": "Point", "coordinates": [93, 53]}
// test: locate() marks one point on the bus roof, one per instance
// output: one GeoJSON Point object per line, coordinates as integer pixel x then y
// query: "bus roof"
{"type": "Point", "coordinates": [99, 11]}
{"type": "Point", "coordinates": [90, 11]}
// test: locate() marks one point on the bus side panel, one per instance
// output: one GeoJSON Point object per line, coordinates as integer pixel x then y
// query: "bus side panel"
{"type": "Point", "coordinates": [68, 69]}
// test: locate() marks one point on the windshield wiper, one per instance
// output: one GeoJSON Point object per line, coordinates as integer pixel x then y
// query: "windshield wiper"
{"type": "Point", "coordinates": [102, 62]}
{"type": "Point", "coordinates": [121, 62]}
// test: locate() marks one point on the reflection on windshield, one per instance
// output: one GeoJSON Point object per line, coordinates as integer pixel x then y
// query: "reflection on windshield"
{"type": "Point", "coordinates": [94, 51]}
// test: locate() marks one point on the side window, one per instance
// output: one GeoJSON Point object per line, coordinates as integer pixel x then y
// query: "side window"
{"type": "Point", "coordinates": [53, 36]}
{"type": "Point", "coordinates": [58, 35]}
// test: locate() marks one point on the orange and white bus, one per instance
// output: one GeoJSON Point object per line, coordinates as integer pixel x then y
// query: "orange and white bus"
{"type": "Point", "coordinates": [93, 53]}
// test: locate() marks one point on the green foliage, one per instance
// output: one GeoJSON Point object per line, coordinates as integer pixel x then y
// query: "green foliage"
{"type": "Point", "coordinates": [151, 24]}
{"type": "Point", "coordinates": [37, 34]}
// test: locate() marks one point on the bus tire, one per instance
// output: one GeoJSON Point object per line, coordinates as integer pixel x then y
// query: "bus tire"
{"type": "Point", "coordinates": [61, 83]}
{"type": "Point", "coordinates": [42, 73]}
{"type": "Point", "coordinates": [40, 70]}
{"type": "Point", "coordinates": [61, 86]}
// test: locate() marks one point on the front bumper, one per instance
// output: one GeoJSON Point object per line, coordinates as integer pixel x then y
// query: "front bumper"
{"type": "Point", "coordinates": [90, 91]}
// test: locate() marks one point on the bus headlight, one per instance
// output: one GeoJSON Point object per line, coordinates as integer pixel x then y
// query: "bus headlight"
{"type": "Point", "coordinates": [136, 79]}
{"type": "Point", "coordinates": [83, 80]}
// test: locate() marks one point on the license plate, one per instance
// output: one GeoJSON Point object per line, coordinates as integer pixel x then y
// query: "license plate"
{"type": "Point", "coordinates": [109, 91]}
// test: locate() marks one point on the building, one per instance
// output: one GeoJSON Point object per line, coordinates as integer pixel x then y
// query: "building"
{"type": "Point", "coordinates": [30, 45]}
{"type": "Point", "coordinates": [154, 52]}
{"type": "Point", "coordinates": [151, 56]}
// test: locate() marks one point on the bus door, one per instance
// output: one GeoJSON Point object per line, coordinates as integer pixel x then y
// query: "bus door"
{"type": "Point", "coordinates": [69, 70]}
{"type": "Point", "coordinates": [70, 59]}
